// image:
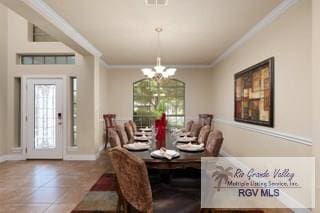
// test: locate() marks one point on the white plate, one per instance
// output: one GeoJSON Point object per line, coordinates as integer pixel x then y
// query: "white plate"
{"type": "Point", "coordinates": [137, 146]}
{"type": "Point", "coordinates": [141, 133]}
{"type": "Point", "coordinates": [190, 147]}
{"type": "Point", "coordinates": [136, 138]}
{"type": "Point", "coordinates": [186, 139]}
{"type": "Point", "coordinates": [158, 154]}
{"type": "Point", "coordinates": [146, 129]}
{"type": "Point", "coordinates": [182, 134]}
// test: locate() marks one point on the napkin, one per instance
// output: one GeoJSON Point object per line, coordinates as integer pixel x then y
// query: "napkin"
{"type": "Point", "coordinates": [164, 152]}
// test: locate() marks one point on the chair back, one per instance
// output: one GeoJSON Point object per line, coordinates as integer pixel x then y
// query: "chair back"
{"type": "Point", "coordinates": [205, 119]}
{"type": "Point", "coordinates": [133, 125]}
{"type": "Point", "coordinates": [195, 129]}
{"type": "Point", "coordinates": [114, 138]}
{"type": "Point", "coordinates": [214, 143]}
{"type": "Point", "coordinates": [132, 178]}
{"type": "Point", "coordinates": [129, 130]}
{"type": "Point", "coordinates": [189, 125]}
{"type": "Point", "coordinates": [122, 134]}
{"type": "Point", "coordinates": [110, 120]}
{"type": "Point", "coordinates": [203, 135]}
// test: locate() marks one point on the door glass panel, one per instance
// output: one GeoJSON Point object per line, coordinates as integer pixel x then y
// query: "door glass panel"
{"type": "Point", "coordinates": [44, 116]}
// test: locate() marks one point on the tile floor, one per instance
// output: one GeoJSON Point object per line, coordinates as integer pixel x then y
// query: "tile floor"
{"type": "Point", "coordinates": [52, 185]}
{"type": "Point", "coordinates": [47, 185]}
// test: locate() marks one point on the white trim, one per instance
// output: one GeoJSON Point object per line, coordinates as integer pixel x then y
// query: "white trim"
{"type": "Point", "coordinates": [136, 66]}
{"type": "Point", "coordinates": [53, 17]}
{"type": "Point", "coordinates": [285, 199]}
{"type": "Point", "coordinates": [267, 20]}
{"type": "Point", "coordinates": [100, 149]}
{"type": "Point", "coordinates": [269, 132]}
{"type": "Point", "coordinates": [13, 157]}
{"type": "Point", "coordinates": [79, 157]}
{"type": "Point", "coordinates": [3, 158]}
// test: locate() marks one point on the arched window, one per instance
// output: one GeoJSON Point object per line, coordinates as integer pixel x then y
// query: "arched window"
{"type": "Point", "coordinates": [151, 97]}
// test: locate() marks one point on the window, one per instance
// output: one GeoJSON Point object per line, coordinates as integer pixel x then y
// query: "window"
{"type": "Point", "coordinates": [150, 96]}
{"type": "Point", "coordinates": [47, 59]}
{"type": "Point", "coordinates": [74, 94]}
{"type": "Point", "coordinates": [39, 35]}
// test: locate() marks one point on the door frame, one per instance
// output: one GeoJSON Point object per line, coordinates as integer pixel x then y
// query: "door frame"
{"type": "Point", "coordinates": [24, 104]}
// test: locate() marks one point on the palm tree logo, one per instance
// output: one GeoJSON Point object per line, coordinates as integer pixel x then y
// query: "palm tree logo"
{"type": "Point", "coordinates": [222, 174]}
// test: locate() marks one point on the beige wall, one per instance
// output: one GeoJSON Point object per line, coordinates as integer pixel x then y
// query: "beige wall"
{"type": "Point", "coordinates": [85, 70]}
{"type": "Point", "coordinates": [288, 39]}
{"type": "Point", "coordinates": [316, 94]}
{"type": "Point", "coordinates": [120, 91]}
{"type": "Point", "coordinates": [3, 76]}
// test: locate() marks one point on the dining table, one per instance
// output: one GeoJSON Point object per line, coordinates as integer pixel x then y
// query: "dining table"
{"type": "Point", "coordinates": [186, 159]}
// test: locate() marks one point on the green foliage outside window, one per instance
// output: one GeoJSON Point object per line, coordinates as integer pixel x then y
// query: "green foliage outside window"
{"type": "Point", "coordinates": [152, 98]}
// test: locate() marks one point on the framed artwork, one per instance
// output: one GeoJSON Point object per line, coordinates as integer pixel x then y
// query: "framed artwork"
{"type": "Point", "coordinates": [254, 91]}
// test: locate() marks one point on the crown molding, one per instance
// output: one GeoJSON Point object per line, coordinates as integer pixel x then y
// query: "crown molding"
{"type": "Point", "coordinates": [266, 21]}
{"type": "Point", "coordinates": [135, 66]}
{"type": "Point", "coordinates": [53, 17]}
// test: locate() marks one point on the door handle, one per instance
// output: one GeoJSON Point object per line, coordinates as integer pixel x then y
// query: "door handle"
{"type": "Point", "coordinates": [60, 118]}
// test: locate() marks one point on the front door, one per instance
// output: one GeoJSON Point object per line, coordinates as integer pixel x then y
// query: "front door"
{"type": "Point", "coordinates": [44, 118]}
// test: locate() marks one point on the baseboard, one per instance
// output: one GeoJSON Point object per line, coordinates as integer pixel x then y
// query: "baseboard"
{"type": "Point", "coordinates": [101, 148]}
{"type": "Point", "coordinates": [3, 158]}
{"type": "Point", "coordinates": [287, 198]}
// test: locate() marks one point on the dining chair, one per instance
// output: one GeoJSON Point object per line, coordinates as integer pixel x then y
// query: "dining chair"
{"type": "Point", "coordinates": [203, 135]}
{"type": "Point", "coordinates": [188, 126]}
{"type": "Point", "coordinates": [129, 130]}
{"type": "Point", "coordinates": [205, 119]}
{"type": "Point", "coordinates": [114, 138]}
{"type": "Point", "coordinates": [214, 142]}
{"type": "Point", "coordinates": [110, 122]}
{"type": "Point", "coordinates": [136, 192]}
{"type": "Point", "coordinates": [122, 134]}
{"type": "Point", "coordinates": [134, 126]}
{"type": "Point", "coordinates": [195, 129]}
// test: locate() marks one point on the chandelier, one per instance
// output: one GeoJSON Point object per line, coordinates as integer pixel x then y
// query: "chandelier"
{"type": "Point", "coordinates": [158, 72]}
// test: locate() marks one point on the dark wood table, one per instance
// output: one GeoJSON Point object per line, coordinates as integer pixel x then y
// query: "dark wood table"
{"type": "Point", "coordinates": [186, 159]}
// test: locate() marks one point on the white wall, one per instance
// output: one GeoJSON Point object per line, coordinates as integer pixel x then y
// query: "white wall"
{"type": "Point", "coordinates": [120, 91]}
{"type": "Point", "coordinates": [3, 77]}
{"type": "Point", "coordinates": [288, 39]}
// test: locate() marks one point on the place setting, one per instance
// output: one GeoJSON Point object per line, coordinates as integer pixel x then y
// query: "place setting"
{"type": "Point", "coordinates": [137, 146]}
{"type": "Point", "coordinates": [185, 139]}
{"type": "Point", "coordinates": [142, 138]}
{"type": "Point", "coordinates": [164, 153]}
{"type": "Point", "coordinates": [191, 147]}
{"type": "Point", "coordinates": [146, 129]}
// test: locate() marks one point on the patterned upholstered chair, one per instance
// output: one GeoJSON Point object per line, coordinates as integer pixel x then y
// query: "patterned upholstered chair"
{"type": "Point", "coordinates": [205, 119]}
{"type": "Point", "coordinates": [135, 188]}
{"type": "Point", "coordinates": [134, 126]}
{"type": "Point", "coordinates": [110, 122]}
{"type": "Point", "coordinates": [188, 126]}
{"type": "Point", "coordinates": [129, 130]}
{"type": "Point", "coordinates": [114, 138]}
{"type": "Point", "coordinates": [122, 134]}
{"type": "Point", "coordinates": [214, 142]}
{"type": "Point", "coordinates": [203, 135]}
{"type": "Point", "coordinates": [195, 129]}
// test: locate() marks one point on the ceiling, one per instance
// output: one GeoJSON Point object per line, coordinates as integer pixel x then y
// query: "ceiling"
{"type": "Point", "coordinates": [195, 32]}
